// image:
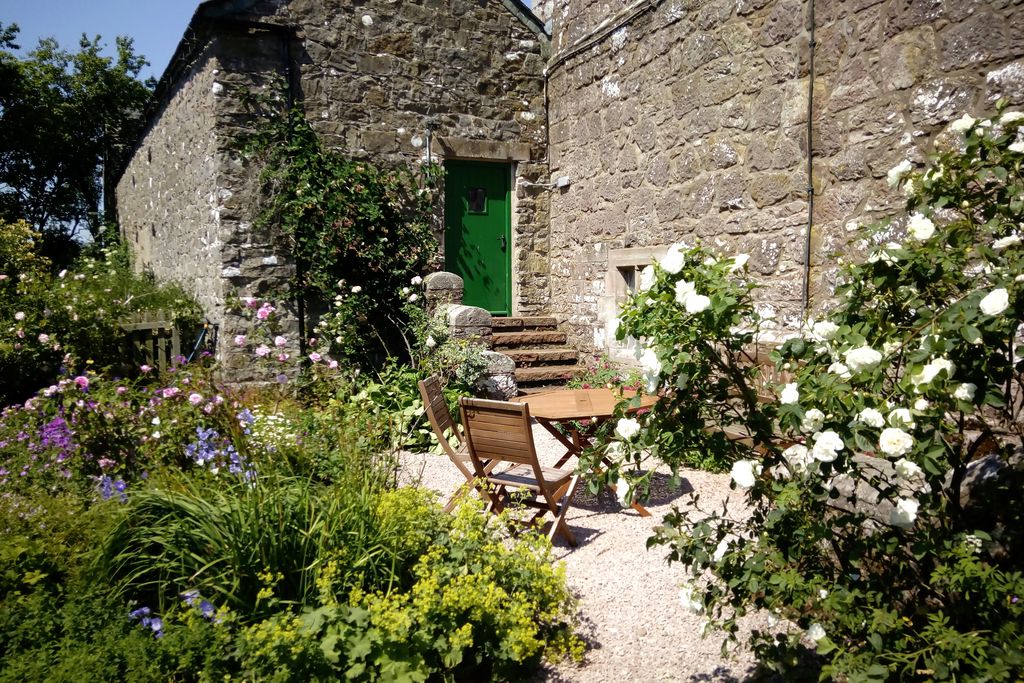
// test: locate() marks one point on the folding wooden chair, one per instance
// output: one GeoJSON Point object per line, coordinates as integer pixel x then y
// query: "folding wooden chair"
{"type": "Point", "coordinates": [499, 432]}
{"type": "Point", "coordinates": [443, 425]}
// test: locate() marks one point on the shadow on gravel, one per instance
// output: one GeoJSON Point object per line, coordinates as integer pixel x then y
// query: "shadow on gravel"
{"type": "Point", "coordinates": [604, 501]}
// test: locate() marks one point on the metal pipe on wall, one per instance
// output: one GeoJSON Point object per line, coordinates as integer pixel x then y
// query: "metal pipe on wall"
{"type": "Point", "coordinates": [810, 163]}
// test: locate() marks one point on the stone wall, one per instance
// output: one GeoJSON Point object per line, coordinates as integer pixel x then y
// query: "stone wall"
{"type": "Point", "coordinates": [687, 120]}
{"type": "Point", "coordinates": [167, 200]}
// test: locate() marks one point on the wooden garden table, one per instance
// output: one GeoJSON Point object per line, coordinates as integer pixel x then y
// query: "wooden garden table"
{"type": "Point", "coordinates": [568, 408]}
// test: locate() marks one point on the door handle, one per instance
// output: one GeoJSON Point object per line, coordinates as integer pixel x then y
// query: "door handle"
{"type": "Point", "coordinates": [504, 242]}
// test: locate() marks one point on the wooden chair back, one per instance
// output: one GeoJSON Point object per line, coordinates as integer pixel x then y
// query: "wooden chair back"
{"type": "Point", "coordinates": [499, 432]}
{"type": "Point", "coordinates": [443, 424]}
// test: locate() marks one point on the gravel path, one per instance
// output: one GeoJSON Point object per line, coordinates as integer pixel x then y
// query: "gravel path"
{"type": "Point", "coordinates": [630, 614]}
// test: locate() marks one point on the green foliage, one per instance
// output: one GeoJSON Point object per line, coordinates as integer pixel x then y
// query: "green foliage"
{"type": "Point", "coordinates": [65, 117]}
{"type": "Point", "coordinates": [601, 372]}
{"type": "Point", "coordinates": [353, 228]}
{"type": "Point", "coordinates": [863, 536]}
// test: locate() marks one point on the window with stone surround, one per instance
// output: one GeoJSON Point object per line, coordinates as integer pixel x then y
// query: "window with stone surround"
{"type": "Point", "coordinates": [621, 280]}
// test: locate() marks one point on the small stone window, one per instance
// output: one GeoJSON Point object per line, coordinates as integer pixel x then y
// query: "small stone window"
{"type": "Point", "coordinates": [621, 280]}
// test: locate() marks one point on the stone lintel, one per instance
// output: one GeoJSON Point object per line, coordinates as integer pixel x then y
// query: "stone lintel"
{"type": "Point", "coordinates": [464, 148]}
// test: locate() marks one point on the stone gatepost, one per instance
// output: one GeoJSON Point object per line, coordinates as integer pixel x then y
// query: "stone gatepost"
{"type": "Point", "coordinates": [441, 289]}
{"type": "Point", "coordinates": [500, 381]}
{"type": "Point", "coordinates": [443, 293]}
{"type": "Point", "coordinates": [469, 322]}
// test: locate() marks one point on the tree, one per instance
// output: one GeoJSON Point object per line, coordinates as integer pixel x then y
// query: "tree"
{"type": "Point", "coordinates": [63, 119]}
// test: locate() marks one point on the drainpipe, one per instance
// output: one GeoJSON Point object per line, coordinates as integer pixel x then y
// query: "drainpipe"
{"type": "Point", "coordinates": [810, 164]}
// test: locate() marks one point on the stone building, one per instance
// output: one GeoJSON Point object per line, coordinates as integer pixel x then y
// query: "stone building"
{"type": "Point", "coordinates": [757, 126]}
{"type": "Point", "coordinates": [455, 81]}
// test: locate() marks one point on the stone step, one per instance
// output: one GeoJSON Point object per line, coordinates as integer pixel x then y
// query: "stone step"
{"type": "Point", "coordinates": [527, 357]}
{"type": "Point", "coordinates": [546, 373]}
{"type": "Point", "coordinates": [518, 322]}
{"type": "Point", "coordinates": [520, 339]}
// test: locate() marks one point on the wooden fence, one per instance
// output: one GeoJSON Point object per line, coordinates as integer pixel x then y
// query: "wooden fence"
{"type": "Point", "coordinates": [151, 338]}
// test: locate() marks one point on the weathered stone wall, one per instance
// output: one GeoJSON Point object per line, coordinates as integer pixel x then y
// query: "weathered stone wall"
{"type": "Point", "coordinates": [687, 120]}
{"type": "Point", "coordinates": [167, 200]}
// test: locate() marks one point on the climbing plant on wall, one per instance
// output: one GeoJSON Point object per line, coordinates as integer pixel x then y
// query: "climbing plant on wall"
{"type": "Point", "coordinates": [353, 227]}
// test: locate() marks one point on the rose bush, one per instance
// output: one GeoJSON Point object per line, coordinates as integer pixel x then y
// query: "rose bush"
{"type": "Point", "coordinates": [883, 475]}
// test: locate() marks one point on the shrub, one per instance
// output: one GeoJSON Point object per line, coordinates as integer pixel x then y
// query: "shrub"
{"type": "Point", "coordinates": [68, 321]}
{"type": "Point", "coordinates": [863, 534]}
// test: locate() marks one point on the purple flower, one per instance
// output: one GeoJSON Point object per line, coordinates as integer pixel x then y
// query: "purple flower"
{"type": "Point", "coordinates": [83, 382]}
{"type": "Point", "coordinates": [195, 398]}
{"type": "Point", "coordinates": [146, 368]}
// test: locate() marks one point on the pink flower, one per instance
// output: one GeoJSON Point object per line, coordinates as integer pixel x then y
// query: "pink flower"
{"type": "Point", "coordinates": [20, 334]}
{"type": "Point", "coordinates": [145, 368]}
{"type": "Point", "coordinates": [265, 311]}
{"type": "Point", "coordinates": [208, 408]}
{"type": "Point", "coordinates": [121, 390]}
{"type": "Point", "coordinates": [262, 350]}
{"type": "Point", "coordinates": [282, 357]}
{"type": "Point", "coordinates": [82, 381]}
{"type": "Point", "coordinates": [250, 302]}
{"type": "Point", "coordinates": [44, 338]}
{"type": "Point", "coordinates": [195, 399]}
{"type": "Point", "coordinates": [171, 392]}
{"type": "Point", "coordinates": [20, 315]}
{"type": "Point", "coordinates": [280, 341]}
{"type": "Point", "coordinates": [333, 365]}
{"type": "Point", "coordinates": [315, 357]}
{"type": "Point", "coordinates": [239, 340]}
{"type": "Point", "coordinates": [105, 463]}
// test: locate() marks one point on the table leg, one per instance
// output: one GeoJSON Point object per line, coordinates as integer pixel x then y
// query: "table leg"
{"type": "Point", "coordinates": [575, 447]}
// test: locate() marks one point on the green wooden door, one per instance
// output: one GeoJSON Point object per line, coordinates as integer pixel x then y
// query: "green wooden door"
{"type": "Point", "coordinates": [477, 236]}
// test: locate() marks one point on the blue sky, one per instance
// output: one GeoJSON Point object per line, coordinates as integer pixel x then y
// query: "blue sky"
{"type": "Point", "coordinates": [156, 25]}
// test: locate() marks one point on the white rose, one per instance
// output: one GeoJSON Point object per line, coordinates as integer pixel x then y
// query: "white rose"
{"type": "Point", "coordinates": [798, 458]}
{"type": "Point", "coordinates": [790, 394]}
{"type": "Point", "coordinates": [674, 259]}
{"type": "Point", "coordinates": [1010, 117]}
{"type": "Point", "coordinates": [357, 289]}
{"type": "Point", "coordinates": [1018, 144]}
{"type": "Point", "coordinates": [697, 303]}
{"type": "Point", "coordinates": [1004, 242]}
{"type": "Point", "coordinates": [824, 330]}
{"type": "Point", "coordinates": [684, 290]}
{"type": "Point", "coordinates": [646, 278]}
{"type": "Point", "coordinates": [963, 124]}
{"type": "Point", "coordinates": [909, 470]}
{"type": "Point", "coordinates": [862, 358]}
{"type": "Point", "coordinates": [627, 428]}
{"type": "Point", "coordinates": [738, 262]}
{"type": "Point", "coordinates": [417, 280]}
{"type": "Point", "coordinates": [744, 473]}
{"type": "Point", "coordinates": [921, 405]}
{"type": "Point", "coordinates": [827, 446]}
{"type": "Point", "coordinates": [920, 227]}
{"type": "Point", "coordinates": [930, 371]}
{"type": "Point", "coordinates": [965, 392]}
{"type": "Point", "coordinates": [815, 632]}
{"type": "Point", "coordinates": [871, 417]}
{"type": "Point", "coordinates": [721, 550]}
{"type": "Point", "coordinates": [649, 361]}
{"type": "Point", "coordinates": [904, 514]}
{"type": "Point", "coordinates": [894, 441]}
{"type": "Point", "coordinates": [431, 342]}
{"type": "Point", "coordinates": [995, 302]}
{"type": "Point", "coordinates": [897, 172]}
{"type": "Point", "coordinates": [690, 601]}
{"type": "Point", "coordinates": [840, 369]}
{"type": "Point", "coordinates": [813, 420]}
